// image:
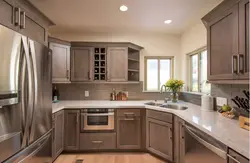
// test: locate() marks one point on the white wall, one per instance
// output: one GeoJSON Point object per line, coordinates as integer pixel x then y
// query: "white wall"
{"type": "Point", "coordinates": [191, 40]}
{"type": "Point", "coordinates": [154, 44]}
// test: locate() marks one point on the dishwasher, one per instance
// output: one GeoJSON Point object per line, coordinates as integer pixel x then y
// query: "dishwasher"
{"type": "Point", "coordinates": [199, 147]}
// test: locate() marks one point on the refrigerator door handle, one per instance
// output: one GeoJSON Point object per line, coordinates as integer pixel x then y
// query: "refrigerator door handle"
{"type": "Point", "coordinates": [35, 84]}
{"type": "Point", "coordinates": [30, 91]}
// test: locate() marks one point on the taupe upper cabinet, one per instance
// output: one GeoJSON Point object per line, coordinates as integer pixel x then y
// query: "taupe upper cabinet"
{"type": "Point", "coordinates": [81, 64]}
{"type": "Point", "coordinates": [7, 14]}
{"type": "Point", "coordinates": [227, 41]}
{"type": "Point", "coordinates": [61, 63]}
{"type": "Point", "coordinates": [244, 39]}
{"type": "Point", "coordinates": [23, 17]}
{"type": "Point", "coordinates": [117, 64]}
{"type": "Point", "coordinates": [72, 129]}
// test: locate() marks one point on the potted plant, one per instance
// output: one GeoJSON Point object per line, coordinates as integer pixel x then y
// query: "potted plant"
{"type": "Point", "coordinates": [174, 86]}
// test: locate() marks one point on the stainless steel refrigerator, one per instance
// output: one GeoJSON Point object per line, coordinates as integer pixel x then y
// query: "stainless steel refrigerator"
{"type": "Point", "coordinates": [25, 99]}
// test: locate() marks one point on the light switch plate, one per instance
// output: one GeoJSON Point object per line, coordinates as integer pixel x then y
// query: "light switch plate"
{"type": "Point", "coordinates": [220, 101]}
{"type": "Point", "coordinates": [86, 93]}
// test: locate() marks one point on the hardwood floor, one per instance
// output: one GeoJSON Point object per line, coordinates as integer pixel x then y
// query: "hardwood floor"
{"type": "Point", "coordinates": [109, 158]}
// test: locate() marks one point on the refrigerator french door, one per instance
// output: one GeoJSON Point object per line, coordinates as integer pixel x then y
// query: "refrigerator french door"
{"type": "Point", "coordinates": [25, 99]}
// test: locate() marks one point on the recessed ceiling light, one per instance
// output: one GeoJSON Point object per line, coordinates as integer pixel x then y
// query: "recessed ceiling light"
{"type": "Point", "coordinates": [123, 8]}
{"type": "Point", "coordinates": [168, 21]}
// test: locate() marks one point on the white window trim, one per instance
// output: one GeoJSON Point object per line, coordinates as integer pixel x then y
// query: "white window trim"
{"type": "Point", "coordinates": [189, 69]}
{"type": "Point", "coordinates": [145, 70]}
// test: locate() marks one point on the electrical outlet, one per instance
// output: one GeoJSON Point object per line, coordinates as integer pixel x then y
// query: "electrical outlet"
{"type": "Point", "coordinates": [86, 93]}
{"type": "Point", "coordinates": [220, 101]}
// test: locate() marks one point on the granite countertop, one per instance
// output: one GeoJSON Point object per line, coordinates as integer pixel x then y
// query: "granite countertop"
{"type": "Point", "coordinates": [223, 129]}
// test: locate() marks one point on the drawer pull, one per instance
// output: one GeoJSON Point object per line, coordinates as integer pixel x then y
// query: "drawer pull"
{"type": "Point", "coordinates": [129, 113]}
{"type": "Point", "coordinates": [97, 142]}
{"type": "Point", "coordinates": [129, 119]}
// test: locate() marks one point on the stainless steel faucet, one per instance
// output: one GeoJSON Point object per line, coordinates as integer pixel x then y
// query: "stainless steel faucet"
{"type": "Point", "coordinates": [165, 99]}
{"type": "Point", "coordinates": [163, 86]}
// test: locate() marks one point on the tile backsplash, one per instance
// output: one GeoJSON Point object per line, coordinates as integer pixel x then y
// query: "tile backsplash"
{"type": "Point", "coordinates": [75, 91]}
{"type": "Point", "coordinates": [228, 91]}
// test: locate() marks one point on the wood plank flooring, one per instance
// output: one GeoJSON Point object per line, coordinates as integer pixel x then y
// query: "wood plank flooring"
{"type": "Point", "coordinates": [109, 158]}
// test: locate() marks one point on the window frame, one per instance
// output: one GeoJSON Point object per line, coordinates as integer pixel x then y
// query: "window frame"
{"type": "Point", "coordinates": [158, 58]}
{"type": "Point", "coordinates": [196, 52]}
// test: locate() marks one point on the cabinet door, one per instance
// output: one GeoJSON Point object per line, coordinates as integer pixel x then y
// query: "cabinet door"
{"type": "Point", "coordinates": [81, 65]}
{"type": "Point", "coordinates": [60, 63]}
{"type": "Point", "coordinates": [244, 39]}
{"type": "Point", "coordinates": [128, 133]}
{"type": "Point", "coordinates": [117, 64]}
{"type": "Point", "coordinates": [223, 45]}
{"type": "Point", "coordinates": [159, 138]}
{"type": "Point", "coordinates": [72, 129]}
{"type": "Point", "coordinates": [58, 133]}
{"type": "Point", "coordinates": [8, 14]}
{"type": "Point", "coordinates": [179, 143]}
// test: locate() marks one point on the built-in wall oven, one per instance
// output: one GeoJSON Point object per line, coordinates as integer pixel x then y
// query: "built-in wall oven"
{"type": "Point", "coordinates": [97, 119]}
{"type": "Point", "coordinates": [201, 148]}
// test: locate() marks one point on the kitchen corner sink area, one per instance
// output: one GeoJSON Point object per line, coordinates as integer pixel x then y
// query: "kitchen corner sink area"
{"type": "Point", "coordinates": [169, 105]}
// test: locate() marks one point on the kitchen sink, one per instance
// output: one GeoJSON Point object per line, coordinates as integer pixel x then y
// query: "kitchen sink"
{"type": "Point", "coordinates": [154, 103]}
{"type": "Point", "coordinates": [168, 106]}
{"type": "Point", "coordinates": [174, 106]}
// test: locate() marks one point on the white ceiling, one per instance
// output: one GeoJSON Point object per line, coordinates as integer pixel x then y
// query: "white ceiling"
{"type": "Point", "coordinates": [142, 15]}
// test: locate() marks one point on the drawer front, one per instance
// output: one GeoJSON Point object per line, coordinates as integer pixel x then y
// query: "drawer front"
{"type": "Point", "coordinates": [166, 117]}
{"type": "Point", "coordinates": [234, 157]}
{"type": "Point", "coordinates": [128, 112]}
{"type": "Point", "coordinates": [97, 141]}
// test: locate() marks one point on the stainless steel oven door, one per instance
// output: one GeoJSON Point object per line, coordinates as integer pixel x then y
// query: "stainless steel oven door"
{"type": "Point", "coordinates": [202, 148]}
{"type": "Point", "coordinates": [99, 121]}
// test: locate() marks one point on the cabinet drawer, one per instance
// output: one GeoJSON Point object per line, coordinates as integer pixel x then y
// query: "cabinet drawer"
{"type": "Point", "coordinates": [96, 141]}
{"type": "Point", "coordinates": [232, 156]}
{"type": "Point", "coordinates": [166, 117]}
{"type": "Point", "coordinates": [128, 112]}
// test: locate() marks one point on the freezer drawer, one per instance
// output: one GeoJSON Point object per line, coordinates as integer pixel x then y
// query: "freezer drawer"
{"type": "Point", "coordinates": [38, 152]}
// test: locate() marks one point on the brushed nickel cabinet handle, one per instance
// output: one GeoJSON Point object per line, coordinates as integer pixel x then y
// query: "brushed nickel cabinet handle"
{"type": "Point", "coordinates": [241, 63]}
{"type": "Point", "coordinates": [22, 20]}
{"type": "Point", "coordinates": [97, 142]}
{"type": "Point", "coordinates": [129, 119]}
{"type": "Point", "coordinates": [234, 64]}
{"type": "Point", "coordinates": [67, 74]}
{"type": "Point", "coordinates": [89, 75]}
{"type": "Point", "coordinates": [17, 16]}
{"type": "Point", "coordinates": [77, 118]}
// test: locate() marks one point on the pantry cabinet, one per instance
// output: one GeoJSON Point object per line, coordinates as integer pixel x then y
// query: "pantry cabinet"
{"type": "Point", "coordinates": [228, 42]}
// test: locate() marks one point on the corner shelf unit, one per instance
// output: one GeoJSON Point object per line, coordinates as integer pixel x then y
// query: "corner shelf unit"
{"type": "Point", "coordinates": [100, 62]}
{"type": "Point", "coordinates": [133, 65]}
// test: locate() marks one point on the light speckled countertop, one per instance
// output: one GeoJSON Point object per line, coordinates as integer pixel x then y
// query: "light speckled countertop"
{"type": "Point", "coordinates": [225, 130]}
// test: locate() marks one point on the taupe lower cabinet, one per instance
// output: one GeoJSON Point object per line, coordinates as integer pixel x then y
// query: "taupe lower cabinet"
{"type": "Point", "coordinates": [61, 62]}
{"type": "Point", "coordinates": [71, 130]}
{"type": "Point", "coordinates": [179, 140]}
{"type": "Point", "coordinates": [117, 64]}
{"type": "Point", "coordinates": [58, 134]}
{"type": "Point", "coordinates": [128, 129]}
{"type": "Point", "coordinates": [234, 157]}
{"type": "Point", "coordinates": [159, 135]}
{"type": "Point", "coordinates": [228, 41]}
{"type": "Point", "coordinates": [81, 64]}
